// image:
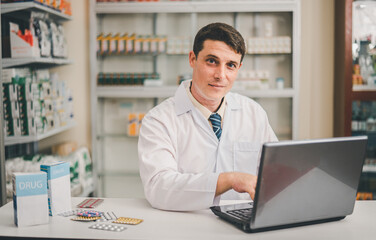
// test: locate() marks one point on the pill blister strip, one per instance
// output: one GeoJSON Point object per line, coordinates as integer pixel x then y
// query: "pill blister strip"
{"type": "Point", "coordinates": [108, 227]}
{"type": "Point", "coordinates": [90, 203]}
{"type": "Point", "coordinates": [107, 216]}
{"type": "Point", "coordinates": [70, 213]}
{"type": "Point", "coordinates": [75, 212]}
{"type": "Point", "coordinates": [130, 221]}
{"type": "Point", "coordinates": [85, 219]}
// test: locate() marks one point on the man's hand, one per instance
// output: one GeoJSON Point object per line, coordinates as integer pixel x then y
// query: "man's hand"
{"type": "Point", "coordinates": [240, 182]}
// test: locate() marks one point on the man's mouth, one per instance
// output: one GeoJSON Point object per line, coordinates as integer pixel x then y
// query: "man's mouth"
{"type": "Point", "coordinates": [216, 85]}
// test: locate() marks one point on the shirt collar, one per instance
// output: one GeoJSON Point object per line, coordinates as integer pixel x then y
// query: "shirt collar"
{"type": "Point", "coordinates": [183, 103]}
{"type": "Point", "coordinates": [206, 112]}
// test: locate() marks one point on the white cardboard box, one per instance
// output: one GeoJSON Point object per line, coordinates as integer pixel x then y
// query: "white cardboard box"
{"type": "Point", "coordinates": [59, 191]}
{"type": "Point", "coordinates": [19, 47]}
{"type": "Point", "coordinates": [30, 200]}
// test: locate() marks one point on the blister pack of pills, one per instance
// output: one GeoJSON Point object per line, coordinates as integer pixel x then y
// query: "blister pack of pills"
{"type": "Point", "coordinates": [85, 219]}
{"type": "Point", "coordinates": [108, 227]}
{"type": "Point", "coordinates": [90, 203]}
{"type": "Point", "coordinates": [107, 216]}
{"type": "Point", "coordinates": [130, 221]}
{"type": "Point", "coordinates": [69, 213]}
{"type": "Point", "coordinates": [89, 213]}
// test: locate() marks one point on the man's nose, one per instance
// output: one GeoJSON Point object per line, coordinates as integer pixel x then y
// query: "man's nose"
{"type": "Point", "coordinates": [220, 72]}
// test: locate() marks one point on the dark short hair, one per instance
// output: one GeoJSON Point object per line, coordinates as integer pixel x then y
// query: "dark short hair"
{"type": "Point", "coordinates": [220, 32]}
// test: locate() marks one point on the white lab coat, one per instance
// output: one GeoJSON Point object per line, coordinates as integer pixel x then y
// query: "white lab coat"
{"type": "Point", "coordinates": [180, 157]}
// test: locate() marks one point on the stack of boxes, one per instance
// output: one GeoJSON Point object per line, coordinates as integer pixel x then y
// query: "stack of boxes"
{"type": "Point", "coordinates": [123, 44]}
{"type": "Point", "coordinates": [17, 94]}
{"type": "Point", "coordinates": [269, 45]}
{"type": "Point", "coordinates": [33, 104]}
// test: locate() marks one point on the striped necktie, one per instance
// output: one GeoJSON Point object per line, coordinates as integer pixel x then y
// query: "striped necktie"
{"type": "Point", "coordinates": [215, 120]}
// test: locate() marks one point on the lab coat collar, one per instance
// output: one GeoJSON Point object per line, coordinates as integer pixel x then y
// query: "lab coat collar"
{"type": "Point", "coordinates": [183, 104]}
{"type": "Point", "coordinates": [232, 103]}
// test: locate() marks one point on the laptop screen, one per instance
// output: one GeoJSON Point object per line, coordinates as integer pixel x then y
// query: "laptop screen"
{"type": "Point", "coordinates": [307, 180]}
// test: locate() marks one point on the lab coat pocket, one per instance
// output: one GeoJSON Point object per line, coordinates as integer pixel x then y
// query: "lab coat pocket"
{"type": "Point", "coordinates": [246, 157]}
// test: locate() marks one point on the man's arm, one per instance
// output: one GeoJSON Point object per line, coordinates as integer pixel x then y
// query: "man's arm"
{"type": "Point", "coordinates": [165, 186]}
{"type": "Point", "coordinates": [240, 182]}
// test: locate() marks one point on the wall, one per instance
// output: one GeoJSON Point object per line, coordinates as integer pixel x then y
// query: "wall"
{"type": "Point", "coordinates": [316, 69]}
{"type": "Point", "coordinates": [77, 76]}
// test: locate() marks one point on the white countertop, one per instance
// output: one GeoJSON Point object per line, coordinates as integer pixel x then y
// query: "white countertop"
{"type": "Point", "coordinates": [186, 225]}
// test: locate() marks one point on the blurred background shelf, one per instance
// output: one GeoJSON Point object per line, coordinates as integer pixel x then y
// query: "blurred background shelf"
{"type": "Point", "coordinates": [7, 8]}
{"type": "Point", "coordinates": [27, 139]}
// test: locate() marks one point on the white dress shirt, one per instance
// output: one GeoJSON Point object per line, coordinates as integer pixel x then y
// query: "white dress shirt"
{"type": "Point", "coordinates": [180, 157]}
{"type": "Point", "coordinates": [206, 112]}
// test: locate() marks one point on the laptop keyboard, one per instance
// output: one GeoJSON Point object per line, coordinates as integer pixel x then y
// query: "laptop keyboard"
{"type": "Point", "coordinates": [243, 214]}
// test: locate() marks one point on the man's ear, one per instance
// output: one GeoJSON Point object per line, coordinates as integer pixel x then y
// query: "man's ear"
{"type": "Point", "coordinates": [241, 64]}
{"type": "Point", "coordinates": [192, 58]}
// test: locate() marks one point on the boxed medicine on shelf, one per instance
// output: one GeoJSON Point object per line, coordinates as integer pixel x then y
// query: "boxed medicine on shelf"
{"type": "Point", "coordinates": [124, 44]}
{"type": "Point", "coordinates": [34, 102]}
{"type": "Point", "coordinates": [129, 79]}
{"type": "Point", "coordinates": [38, 37]}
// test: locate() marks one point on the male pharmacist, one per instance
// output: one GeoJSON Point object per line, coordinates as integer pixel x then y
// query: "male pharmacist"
{"type": "Point", "coordinates": [203, 144]}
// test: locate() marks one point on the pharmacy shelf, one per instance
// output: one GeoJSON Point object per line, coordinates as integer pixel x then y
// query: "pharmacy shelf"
{"type": "Point", "coordinates": [33, 6]}
{"type": "Point", "coordinates": [113, 135]}
{"type": "Point", "coordinates": [168, 91]}
{"type": "Point", "coordinates": [266, 93]}
{"type": "Point", "coordinates": [136, 92]}
{"type": "Point", "coordinates": [26, 139]}
{"type": "Point", "coordinates": [181, 54]}
{"type": "Point", "coordinates": [105, 14]}
{"type": "Point", "coordinates": [364, 88]}
{"type": "Point", "coordinates": [40, 61]}
{"type": "Point", "coordinates": [119, 173]}
{"type": "Point", "coordinates": [195, 6]}
{"type": "Point", "coordinates": [369, 168]}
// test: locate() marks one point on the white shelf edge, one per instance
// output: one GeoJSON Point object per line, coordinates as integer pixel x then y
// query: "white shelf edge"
{"type": "Point", "coordinates": [266, 93]}
{"type": "Point", "coordinates": [109, 173]}
{"type": "Point", "coordinates": [26, 139]}
{"type": "Point", "coordinates": [183, 54]}
{"type": "Point", "coordinates": [14, 62]}
{"type": "Point", "coordinates": [169, 91]}
{"type": "Point", "coordinates": [189, 7]}
{"type": "Point", "coordinates": [14, 7]}
{"type": "Point", "coordinates": [135, 91]}
{"type": "Point", "coordinates": [369, 168]}
{"type": "Point", "coordinates": [363, 88]}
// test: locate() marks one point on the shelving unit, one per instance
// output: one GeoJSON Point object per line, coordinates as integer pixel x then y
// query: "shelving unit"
{"type": "Point", "coordinates": [25, 7]}
{"type": "Point", "coordinates": [182, 18]}
{"type": "Point", "coordinates": [40, 62]}
{"type": "Point", "coordinates": [22, 10]}
{"type": "Point", "coordinates": [3, 192]}
{"type": "Point", "coordinates": [349, 95]}
{"type": "Point", "coordinates": [168, 91]}
{"type": "Point", "coordinates": [27, 139]}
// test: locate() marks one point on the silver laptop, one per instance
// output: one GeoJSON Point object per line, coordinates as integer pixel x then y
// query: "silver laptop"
{"type": "Point", "coordinates": [301, 182]}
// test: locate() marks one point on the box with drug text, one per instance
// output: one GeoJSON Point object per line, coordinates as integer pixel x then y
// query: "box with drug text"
{"type": "Point", "coordinates": [30, 200]}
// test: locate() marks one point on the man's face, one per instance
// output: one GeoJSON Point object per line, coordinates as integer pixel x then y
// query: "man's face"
{"type": "Point", "coordinates": [214, 72]}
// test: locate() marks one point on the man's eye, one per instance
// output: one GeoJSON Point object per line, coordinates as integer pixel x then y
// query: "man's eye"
{"type": "Point", "coordinates": [231, 65]}
{"type": "Point", "coordinates": [210, 60]}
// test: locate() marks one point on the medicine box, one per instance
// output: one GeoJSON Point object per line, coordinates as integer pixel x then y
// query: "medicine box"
{"type": "Point", "coordinates": [19, 46]}
{"type": "Point", "coordinates": [30, 200]}
{"type": "Point", "coordinates": [58, 184]}
{"type": "Point", "coordinates": [13, 127]}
